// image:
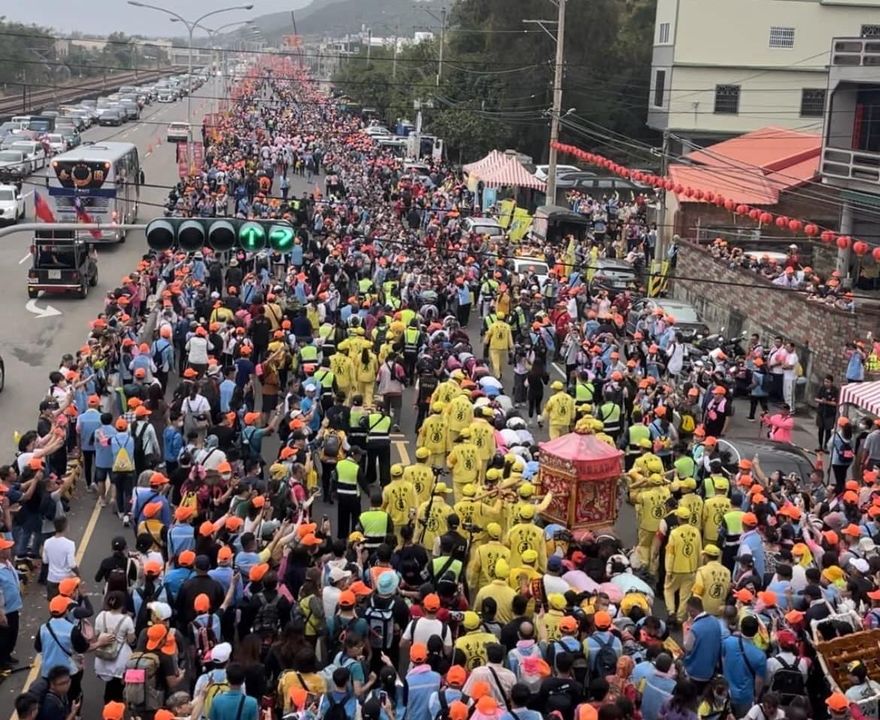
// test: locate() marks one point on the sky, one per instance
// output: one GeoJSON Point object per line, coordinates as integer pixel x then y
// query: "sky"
{"type": "Point", "coordinates": [105, 16]}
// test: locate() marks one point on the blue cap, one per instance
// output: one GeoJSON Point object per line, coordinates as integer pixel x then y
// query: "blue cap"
{"type": "Point", "coordinates": [387, 583]}
{"type": "Point", "coordinates": [554, 563]}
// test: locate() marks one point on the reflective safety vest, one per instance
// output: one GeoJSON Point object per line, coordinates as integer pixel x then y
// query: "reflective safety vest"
{"type": "Point", "coordinates": [637, 433]}
{"type": "Point", "coordinates": [308, 354]}
{"type": "Point", "coordinates": [378, 427]}
{"type": "Point", "coordinates": [489, 320]}
{"type": "Point", "coordinates": [733, 527]}
{"type": "Point", "coordinates": [356, 432]}
{"type": "Point", "coordinates": [326, 377]}
{"type": "Point", "coordinates": [609, 413]}
{"type": "Point", "coordinates": [439, 563]}
{"type": "Point", "coordinates": [365, 285]}
{"type": "Point", "coordinates": [376, 525]}
{"type": "Point", "coordinates": [347, 477]}
{"type": "Point", "coordinates": [583, 392]}
{"type": "Point", "coordinates": [411, 340]}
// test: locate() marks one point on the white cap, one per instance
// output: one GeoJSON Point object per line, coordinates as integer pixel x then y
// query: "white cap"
{"type": "Point", "coordinates": [160, 610]}
{"type": "Point", "coordinates": [337, 573]}
{"type": "Point", "coordinates": [221, 653]}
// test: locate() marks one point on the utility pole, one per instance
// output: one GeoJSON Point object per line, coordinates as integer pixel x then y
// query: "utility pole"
{"type": "Point", "coordinates": [442, 43]}
{"type": "Point", "coordinates": [557, 103]}
{"type": "Point", "coordinates": [369, 44]}
{"type": "Point", "coordinates": [660, 251]}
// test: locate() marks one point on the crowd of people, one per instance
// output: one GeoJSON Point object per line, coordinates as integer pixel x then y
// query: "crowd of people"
{"type": "Point", "coordinates": [219, 403]}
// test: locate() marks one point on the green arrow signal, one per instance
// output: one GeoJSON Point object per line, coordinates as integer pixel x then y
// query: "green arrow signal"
{"type": "Point", "coordinates": [281, 238]}
{"type": "Point", "coordinates": [252, 236]}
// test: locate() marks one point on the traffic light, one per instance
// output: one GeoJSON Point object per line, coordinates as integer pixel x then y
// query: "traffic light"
{"type": "Point", "coordinates": [220, 235]}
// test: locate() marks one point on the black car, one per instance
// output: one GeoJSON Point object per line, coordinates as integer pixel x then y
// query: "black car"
{"type": "Point", "coordinates": [771, 455]}
{"type": "Point", "coordinates": [111, 116]}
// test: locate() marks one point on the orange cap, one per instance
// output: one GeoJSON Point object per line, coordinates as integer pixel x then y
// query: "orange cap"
{"type": "Point", "coordinates": [224, 554]}
{"type": "Point", "coordinates": [186, 558]}
{"type": "Point", "coordinates": [113, 711]}
{"type": "Point", "coordinates": [750, 519]}
{"type": "Point", "coordinates": [152, 509]}
{"type": "Point", "coordinates": [183, 513]}
{"type": "Point", "coordinates": [206, 529]}
{"type": "Point", "coordinates": [418, 653]}
{"type": "Point", "coordinates": [257, 572]}
{"type": "Point", "coordinates": [202, 603]}
{"type": "Point", "coordinates": [602, 620]}
{"type": "Point", "coordinates": [234, 523]}
{"type": "Point", "coordinates": [152, 567]}
{"type": "Point", "coordinates": [837, 702]}
{"type": "Point", "coordinates": [69, 586]}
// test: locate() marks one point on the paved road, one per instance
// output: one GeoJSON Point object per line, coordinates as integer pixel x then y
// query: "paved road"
{"type": "Point", "coordinates": [32, 347]}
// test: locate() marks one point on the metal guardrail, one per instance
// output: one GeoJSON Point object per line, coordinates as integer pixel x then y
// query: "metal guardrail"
{"type": "Point", "coordinates": [27, 102]}
{"type": "Point", "coordinates": [34, 227]}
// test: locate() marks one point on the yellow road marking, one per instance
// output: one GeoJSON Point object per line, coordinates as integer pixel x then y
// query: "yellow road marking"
{"type": "Point", "coordinates": [401, 449]}
{"type": "Point", "coordinates": [80, 554]}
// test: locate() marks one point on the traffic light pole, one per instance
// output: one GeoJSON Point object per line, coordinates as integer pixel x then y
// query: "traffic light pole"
{"type": "Point", "coordinates": [34, 227]}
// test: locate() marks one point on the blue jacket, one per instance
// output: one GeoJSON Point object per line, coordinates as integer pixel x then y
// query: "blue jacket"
{"type": "Point", "coordinates": [88, 423]}
{"type": "Point", "coordinates": [104, 453]}
{"type": "Point", "coordinates": [703, 657]}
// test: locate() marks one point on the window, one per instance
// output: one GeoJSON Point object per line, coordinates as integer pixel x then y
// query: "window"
{"type": "Point", "coordinates": [663, 34]}
{"type": "Point", "coordinates": [871, 31]}
{"type": "Point", "coordinates": [812, 102]}
{"type": "Point", "coordinates": [782, 37]}
{"type": "Point", "coordinates": [727, 99]}
{"type": "Point", "coordinates": [659, 87]}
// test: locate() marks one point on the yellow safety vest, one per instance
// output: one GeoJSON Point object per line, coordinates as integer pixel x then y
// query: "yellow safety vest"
{"type": "Point", "coordinates": [346, 477]}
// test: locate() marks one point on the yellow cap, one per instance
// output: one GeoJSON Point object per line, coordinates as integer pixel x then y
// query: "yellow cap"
{"type": "Point", "coordinates": [556, 601]}
{"type": "Point", "coordinates": [557, 385]}
{"type": "Point", "coordinates": [688, 484]}
{"type": "Point", "coordinates": [441, 489]}
{"type": "Point", "coordinates": [526, 512]}
{"type": "Point", "coordinates": [494, 530]}
{"type": "Point", "coordinates": [683, 512]}
{"type": "Point", "coordinates": [397, 470]}
{"type": "Point", "coordinates": [502, 569]}
{"type": "Point", "coordinates": [645, 443]}
{"type": "Point", "coordinates": [655, 479]}
{"type": "Point", "coordinates": [530, 557]}
{"type": "Point", "coordinates": [469, 490]}
{"type": "Point", "coordinates": [457, 375]}
{"type": "Point", "coordinates": [712, 550]}
{"type": "Point", "coordinates": [422, 453]}
{"type": "Point", "coordinates": [465, 433]}
{"type": "Point", "coordinates": [470, 620]}
{"type": "Point", "coordinates": [493, 474]}
{"type": "Point", "coordinates": [437, 407]}
{"type": "Point", "coordinates": [526, 490]}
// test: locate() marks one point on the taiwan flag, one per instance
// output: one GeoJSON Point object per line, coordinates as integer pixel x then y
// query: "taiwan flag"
{"type": "Point", "coordinates": [42, 209]}
{"type": "Point", "coordinates": [83, 217]}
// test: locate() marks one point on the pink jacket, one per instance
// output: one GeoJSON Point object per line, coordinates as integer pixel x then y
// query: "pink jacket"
{"type": "Point", "coordinates": [780, 427]}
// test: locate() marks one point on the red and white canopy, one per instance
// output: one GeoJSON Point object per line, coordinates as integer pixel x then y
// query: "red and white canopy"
{"type": "Point", "coordinates": [863, 395]}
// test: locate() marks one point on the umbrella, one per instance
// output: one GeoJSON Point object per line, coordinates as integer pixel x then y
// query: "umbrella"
{"type": "Point", "coordinates": [614, 593]}
{"type": "Point", "coordinates": [627, 582]}
{"type": "Point", "coordinates": [580, 581]}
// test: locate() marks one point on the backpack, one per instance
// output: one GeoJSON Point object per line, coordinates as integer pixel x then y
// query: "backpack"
{"type": "Point", "coordinates": [111, 650]}
{"type": "Point", "coordinates": [531, 670]}
{"type": "Point", "coordinates": [141, 691]}
{"type": "Point", "coordinates": [122, 463]}
{"type": "Point", "coordinates": [336, 710]}
{"type": "Point", "coordinates": [331, 445]}
{"type": "Point", "coordinates": [248, 449]}
{"type": "Point", "coordinates": [140, 457]}
{"type": "Point", "coordinates": [212, 690]}
{"type": "Point", "coordinates": [788, 682]}
{"type": "Point", "coordinates": [159, 353]}
{"type": "Point", "coordinates": [688, 424]}
{"type": "Point", "coordinates": [443, 712]}
{"type": "Point", "coordinates": [119, 579]}
{"type": "Point", "coordinates": [381, 623]}
{"type": "Point", "coordinates": [606, 658]}
{"type": "Point", "coordinates": [268, 619]}
{"type": "Point", "coordinates": [203, 638]}
{"type": "Point", "coordinates": [343, 662]}
{"type": "Point", "coordinates": [191, 500]}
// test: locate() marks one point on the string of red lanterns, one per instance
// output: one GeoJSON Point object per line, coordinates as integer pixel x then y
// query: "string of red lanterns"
{"type": "Point", "coordinates": [794, 225]}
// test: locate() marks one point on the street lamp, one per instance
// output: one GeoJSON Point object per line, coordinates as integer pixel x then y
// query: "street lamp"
{"type": "Point", "coordinates": [190, 26]}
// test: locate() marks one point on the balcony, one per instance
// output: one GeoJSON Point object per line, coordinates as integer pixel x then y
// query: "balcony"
{"type": "Point", "coordinates": [850, 165]}
{"type": "Point", "coordinates": [855, 52]}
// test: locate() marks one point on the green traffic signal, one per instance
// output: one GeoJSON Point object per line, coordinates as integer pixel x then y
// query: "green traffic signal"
{"type": "Point", "coordinates": [252, 236]}
{"type": "Point", "coordinates": [281, 238]}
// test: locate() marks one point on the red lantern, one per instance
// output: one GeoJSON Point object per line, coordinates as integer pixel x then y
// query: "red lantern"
{"type": "Point", "coordinates": [742, 209]}
{"type": "Point", "coordinates": [624, 172]}
{"type": "Point", "coordinates": [766, 218]}
{"type": "Point", "coordinates": [811, 230]}
{"type": "Point", "coordinates": [720, 200]}
{"type": "Point", "coordinates": [875, 253]}
{"type": "Point", "coordinates": [781, 221]}
{"type": "Point", "coordinates": [689, 192]}
{"type": "Point", "coordinates": [669, 183]}
{"type": "Point", "coordinates": [754, 214]}
{"type": "Point", "coordinates": [637, 176]}
{"type": "Point", "coordinates": [827, 236]}
{"type": "Point", "coordinates": [678, 189]}
{"type": "Point", "coordinates": [843, 242]}
{"type": "Point", "coordinates": [860, 248]}
{"type": "Point", "coordinates": [795, 225]}
{"type": "Point", "coordinates": [710, 196]}
{"type": "Point", "coordinates": [698, 194]}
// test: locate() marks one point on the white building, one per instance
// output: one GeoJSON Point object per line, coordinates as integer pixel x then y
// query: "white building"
{"type": "Point", "coordinates": [725, 67]}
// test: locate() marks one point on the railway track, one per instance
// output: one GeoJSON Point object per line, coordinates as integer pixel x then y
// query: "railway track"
{"type": "Point", "coordinates": [27, 103]}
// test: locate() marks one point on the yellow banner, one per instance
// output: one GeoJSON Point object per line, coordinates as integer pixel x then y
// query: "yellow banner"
{"type": "Point", "coordinates": [506, 212]}
{"type": "Point", "coordinates": [658, 282]}
{"type": "Point", "coordinates": [520, 224]}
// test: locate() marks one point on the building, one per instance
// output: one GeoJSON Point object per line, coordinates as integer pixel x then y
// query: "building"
{"type": "Point", "coordinates": [851, 136]}
{"type": "Point", "coordinates": [723, 68]}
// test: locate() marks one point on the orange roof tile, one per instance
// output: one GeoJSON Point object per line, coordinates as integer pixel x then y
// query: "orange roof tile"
{"type": "Point", "coordinates": [749, 187]}
{"type": "Point", "coordinates": [772, 149]}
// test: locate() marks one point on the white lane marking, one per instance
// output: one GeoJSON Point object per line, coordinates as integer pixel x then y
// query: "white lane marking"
{"type": "Point", "coordinates": [560, 370]}
{"type": "Point", "coordinates": [49, 311]}
{"type": "Point", "coordinates": [24, 259]}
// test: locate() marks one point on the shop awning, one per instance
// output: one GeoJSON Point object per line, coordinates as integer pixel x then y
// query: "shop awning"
{"type": "Point", "coordinates": [500, 170]}
{"type": "Point", "coordinates": [863, 395]}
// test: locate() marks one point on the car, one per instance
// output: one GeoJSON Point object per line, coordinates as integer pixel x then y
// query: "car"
{"type": "Point", "coordinates": [542, 170]}
{"type": "Point", "coordinates": [57, 143]}
{"type": "Point", "coordinates": [772, 456]}
{"type": "Point", "coordinates": [570, 179]}
{"type": "Point", "coordinates": [73, 139]}
{"type": "Point", "coordinates": [12, 206]}
{"type": "Point", "coordinates": [376, 130]}
{"type": "Point", "coordinates": [483, 226]}
{"type": "Point", "coordinates": [75, 119]}
{"type": "Point", "coordinates": [165, 95]}
{"type": "Point", "coordinates": [33, 151]}
{"type": "Point", "coordinates": [687, 318]}
{"type": "Point", "coordinates": [13, 165]}
{"type": "Point", "coordinates": [177, 132]}
{"type": "Point", "coordinates": [111, 116]}
{"type": "Point", "coordinates": [612, 275]}
{"type": "Point", "coordinates": [599, 185]}
{"type": "Point", "coordinates": [531, 266]}
{"type": "Point", "coordinates": [130, 108]}
{"type": "Point", "coordinates": [61, 266]}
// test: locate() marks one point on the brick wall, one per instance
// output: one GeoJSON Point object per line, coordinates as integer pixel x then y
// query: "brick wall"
{"type": "Point", "coordinates": [753, 305]}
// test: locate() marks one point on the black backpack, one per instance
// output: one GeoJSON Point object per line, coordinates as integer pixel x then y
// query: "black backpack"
{"type": "Point", "coordinates": [336, 710]}
{"type": "Point", "coordinates": [606, 658]}
{"type": "Point", "coordinates": [380, 620]}
{"type": "Point", "coordinates": [268, 619]}
{"type": "Point", "coordinates": [140, 457]}
{"type": "Point", "coordinates": [788, 682]}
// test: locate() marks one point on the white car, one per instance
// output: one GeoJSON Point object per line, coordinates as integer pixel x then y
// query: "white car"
{"type": "Point", "coordinates": [14, 165]}
{"type": "Point", "coordinates": [57, 143]}
{"type": "Point", "coordinates": [11, 205]}
{"type": "Point", "coordinates": [377, 130]}
{"type": "Point", "coordinates": [177, 132]}
{"type": "Point", "coordinates": [483, 226]}
{"type": "Point", "coordinates": [541, 170]}
{"type": "Point", "coordinates": [34, 153]}
{"type": "Point", "coordinates": [165, 96]}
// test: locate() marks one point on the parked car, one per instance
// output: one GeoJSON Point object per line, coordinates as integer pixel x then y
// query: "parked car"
{"type": "Point", "coordinates": [687, 319]}
{"type": "Point", "coordinates": [541, 171]}
{"type": "Point", "coordinates": [177, 132]}
{"type": "Point", "coordinates": [111, 116]}
{"type": "Point", "coordinates": [165, 95]}
{"type": "Point", "coordinates": [12, 207]}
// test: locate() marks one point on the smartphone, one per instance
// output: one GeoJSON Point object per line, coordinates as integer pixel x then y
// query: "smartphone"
{"type": "Point", "coordinates": [324, 518]}
{"type": "Point", "coordinates": [383, 697]}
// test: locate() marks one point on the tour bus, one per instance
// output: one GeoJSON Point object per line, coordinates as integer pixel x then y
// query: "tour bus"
{"type": "Point", "coordinates": [99, 183]}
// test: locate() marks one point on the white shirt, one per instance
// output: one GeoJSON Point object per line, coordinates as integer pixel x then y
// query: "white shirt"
{"type": "Point", "coordinates": [424, 629]}
{"type": "Point", "coordinates": [776, 359]}
{"type": "Point", "coordinates": [789, 372]}
{"type": "Point", "coordinates": [330, 599]}
{"type": "Point", "coordinates": [197, 350]}
{"type": "Point", "coordinates": [197, 405]}
{"type": "Point", "coordinates": [122, 626]}
{"type": "Point", "coordinates": [60, 554]}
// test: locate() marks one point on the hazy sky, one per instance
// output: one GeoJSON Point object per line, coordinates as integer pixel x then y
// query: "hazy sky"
{"type": "Point", "coordinates": [106, 16]}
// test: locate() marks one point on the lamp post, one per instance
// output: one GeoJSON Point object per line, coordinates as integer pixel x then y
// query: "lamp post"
{"type": "Point", "coordinates": [190, 26]}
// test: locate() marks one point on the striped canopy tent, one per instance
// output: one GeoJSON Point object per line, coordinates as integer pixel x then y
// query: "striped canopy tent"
{"type": "Point", "coordinates": [863, 395]}
{"type": "Point", "coordinates": [500, 170]}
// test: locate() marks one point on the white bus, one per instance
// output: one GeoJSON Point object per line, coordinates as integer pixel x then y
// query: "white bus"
{"type": "Point", "coordinates": [97, 183]}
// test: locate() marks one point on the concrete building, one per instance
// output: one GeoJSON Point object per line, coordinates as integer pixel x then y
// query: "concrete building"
{"type": "Point", "coordinates": [723, 68]}
{"type": "Point", "coordinates": [851, 137]}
